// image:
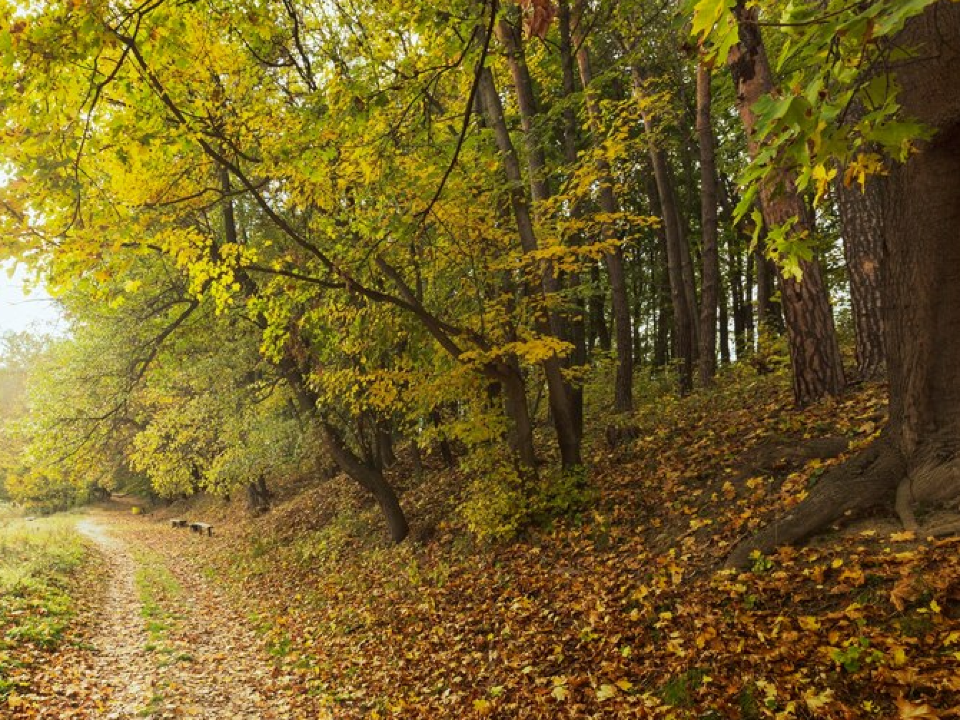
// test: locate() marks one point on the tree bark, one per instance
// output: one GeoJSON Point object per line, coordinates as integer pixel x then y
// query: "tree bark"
{"type": "Point", "coordinates": [861, 217]}
{"type": "Point", "coordinates": [683, 314]}
{"type": "Point", "coordinates": [814, 352]}
{"type": "Point", "coordinates": [568, 439]}
{"type": "Point", "coordinates": [917, 458]}
{"type": "Point", "coordinates": [710, 277]}
{"type": "Point", "coordinates": [368, 477]}
{"type": "Point", "coordinates": [620, 300]}
{"type": "Point", "coordinates": [578, 329]}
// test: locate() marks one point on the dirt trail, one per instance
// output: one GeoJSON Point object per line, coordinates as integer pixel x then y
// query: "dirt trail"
{"type": "Point", "coordinates": [203, 663]}
{"type": "Point", "coordinates": [119, 642]}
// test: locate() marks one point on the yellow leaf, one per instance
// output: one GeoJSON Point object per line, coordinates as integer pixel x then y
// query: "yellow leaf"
{"type": "Point", "coordinates": [606, 692]}
{"type": "Point", "coordinates": [809, 623]}
{"type": "Point", "coordinates": [909, 711]}
{"type": "Point", "coordinates": [624, 685]}
{"type": "Point", "coordinates": [482, 706]}
{"type": "Point", "coordinates": [815, 701]}
{"type": "Point", "coordinates": [903, 536]}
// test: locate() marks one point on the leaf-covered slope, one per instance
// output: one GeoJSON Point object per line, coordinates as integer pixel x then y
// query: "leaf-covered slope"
{"type": "Point", "coordinates": [620, 611]}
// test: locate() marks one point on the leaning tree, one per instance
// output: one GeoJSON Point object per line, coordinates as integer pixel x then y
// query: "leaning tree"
{"type": "Point", "coordinates": [915, 459]}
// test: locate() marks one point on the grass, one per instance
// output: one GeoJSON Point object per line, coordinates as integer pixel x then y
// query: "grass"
{"type": "Point", "coordinates": [159, 591]}
{"type": "Point", "coordinates": [38, 559]}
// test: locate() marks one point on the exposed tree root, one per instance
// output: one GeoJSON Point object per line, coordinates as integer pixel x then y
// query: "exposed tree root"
{"type": "Point", "coordinates": [869, 479]}
{"type": "Point", "coordinates": [876, 476]}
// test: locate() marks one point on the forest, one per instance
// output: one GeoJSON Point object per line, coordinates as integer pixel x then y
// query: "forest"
{"type": "Point", "coordinates": [652, 302]}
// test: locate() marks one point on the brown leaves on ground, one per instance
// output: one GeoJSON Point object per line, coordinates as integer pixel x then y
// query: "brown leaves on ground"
{"type": "Point", "coordinates": [620, 612]}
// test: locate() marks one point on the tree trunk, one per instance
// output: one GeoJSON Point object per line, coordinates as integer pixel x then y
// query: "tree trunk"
{"type": "Point", "coordinates": [769, 314]}
{"type": "Point", "coordinates": [623, 385]}
{"type": "Point", "coordinates": [917, 459]}
{"type": "Point", "coordinates": [598, 332]}
{"type": "Point", "coordinates": [568, 439]}
{"type": "Point", "coordinates": [814, 352]}
{"type": "Point", "coordinates": [861, 223]}
{"type": "Point", "coordinates": [446, 451]}
{"type": "Point", "coordinates": [578, 330]}
{"type": "Point", "coordinates": [710, 277]}
{"type": "Point", "coordinates": [724, 328]}
{"type": "Point", "coordinates": [683, 323]}
{"type": "Point", "coordinates": [258, 495]}
{"type": "Point", "coordinates": [370, 478]}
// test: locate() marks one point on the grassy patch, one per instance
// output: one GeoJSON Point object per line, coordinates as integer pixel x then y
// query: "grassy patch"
{"type": "Point", "coordinates": [159, 592]}
{"type": "Point", "coordinates": [37, 560]}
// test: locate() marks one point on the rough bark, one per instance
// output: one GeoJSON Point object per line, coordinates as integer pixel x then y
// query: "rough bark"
{"type": "Point", "coordinates": [814, 352]}
{"type": "Point", "coordinates": [710, 276]}
{"type": "Point", "coordinates": [917, 459]}
{"type": "Point", "coordinates": [861, 217]}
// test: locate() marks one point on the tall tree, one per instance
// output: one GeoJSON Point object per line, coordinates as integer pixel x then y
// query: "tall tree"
{"type": "Point", "coordinates": [861, 218]}
{"type": "Point", "coordinates": [915, 458]}
{"type": "Point", "coordinates": [814, 351]}
{"type": "Point", "coordinates": [710, 277]}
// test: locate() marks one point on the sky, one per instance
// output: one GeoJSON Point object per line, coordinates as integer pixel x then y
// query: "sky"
{"type": "Point", "coordinates": [18, 311]}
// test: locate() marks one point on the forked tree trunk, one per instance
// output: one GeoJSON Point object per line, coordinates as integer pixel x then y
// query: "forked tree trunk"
{"type": "Point", "coordinates": [568, 438]}
{"type": "Point", "coordinates": [917, 459]}
{"type": "Point", "coordinates": [368, 477]}
{"type": "Point", "coordinates": [814, 352]}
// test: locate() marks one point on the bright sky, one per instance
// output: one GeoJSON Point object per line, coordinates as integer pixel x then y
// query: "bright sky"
{"type": "Point", "coordinates": [35, 312]}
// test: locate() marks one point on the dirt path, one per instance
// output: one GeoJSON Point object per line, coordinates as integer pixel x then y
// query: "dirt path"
{"type": "Point", "coordinates": [118, 654]}
{"type": "Point", "coordinates": [188, 655]}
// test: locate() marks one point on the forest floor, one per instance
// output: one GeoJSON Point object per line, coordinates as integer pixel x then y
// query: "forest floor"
{"type": "Point", "coordinates": [620, 609]}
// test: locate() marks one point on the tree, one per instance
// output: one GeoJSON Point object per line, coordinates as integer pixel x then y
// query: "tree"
{"type": "Point", "coordinates": [814, 352]}
{"type": "Point", "coordinates": [915, 458]}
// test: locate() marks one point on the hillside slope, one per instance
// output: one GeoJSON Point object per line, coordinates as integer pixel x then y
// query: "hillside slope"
{"type": "Point", "coordinates": [619, 610]}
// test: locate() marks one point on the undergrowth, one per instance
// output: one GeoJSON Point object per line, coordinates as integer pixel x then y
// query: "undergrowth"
{"type": "Point", "coordinates": [38, 558]}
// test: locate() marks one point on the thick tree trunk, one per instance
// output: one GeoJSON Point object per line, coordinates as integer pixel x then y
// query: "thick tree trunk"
{"type": "Point", "coordinates": [814, 352]}
{"type": "Point", "coordinates": [623, 385]}
{"type": "Point", "coordinates": [710, 277]}
{"type": "Point", "coordinates": [917, 459]}
{"type": "Point", "coordinates": [921, 276]}
{"type": "Point", "coordinates": [861, 217]}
